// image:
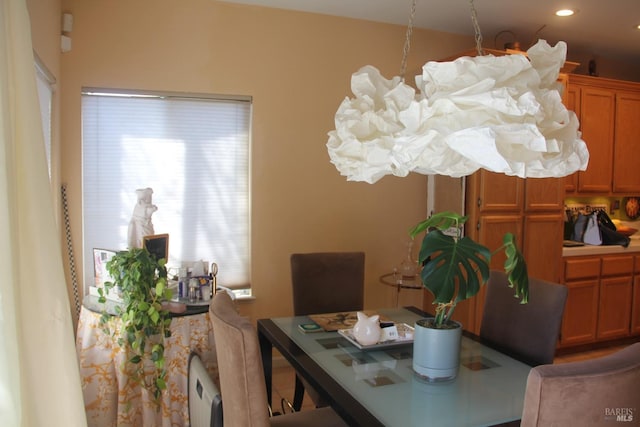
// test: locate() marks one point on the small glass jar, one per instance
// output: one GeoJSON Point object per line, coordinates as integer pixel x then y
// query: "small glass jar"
{"type": "Point", "coordinates": [194, 287]}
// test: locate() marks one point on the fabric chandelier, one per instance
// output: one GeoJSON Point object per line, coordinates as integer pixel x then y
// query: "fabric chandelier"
{"type": "Point", "coordinates": [500, 113]}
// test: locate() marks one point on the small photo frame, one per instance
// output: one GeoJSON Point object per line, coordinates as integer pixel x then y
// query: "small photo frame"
{"type": "Point", "coordinates": [157, 245]}
{"type": "Point", "coordinates": [100, 259]}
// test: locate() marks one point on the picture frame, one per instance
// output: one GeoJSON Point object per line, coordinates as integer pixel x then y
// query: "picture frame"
{"type": "Point", "coordinates": [100, 259]}
{"type": "Point", "coordinates": [157, 245]}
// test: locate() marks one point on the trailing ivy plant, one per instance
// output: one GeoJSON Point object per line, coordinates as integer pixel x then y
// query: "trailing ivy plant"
{"type": "Point", "coordinates": [142, 282]}
{"type": "Point", "coordinates": [455, 266]}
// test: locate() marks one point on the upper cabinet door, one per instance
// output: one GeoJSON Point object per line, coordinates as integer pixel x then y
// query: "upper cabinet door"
{"type": "Point", "coordinates": [499, 192]}
{"type": "Point", "coordinates": [544, 194]}
{"type": "Point", "coordinates": [626, 156]}
{"type": "Point", "coordinates": [571, 99]}
{"type": "Point", "coordinates": [597, 108]}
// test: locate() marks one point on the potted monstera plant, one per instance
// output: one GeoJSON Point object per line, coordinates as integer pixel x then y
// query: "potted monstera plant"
{"type": "Point", "coordinates": [141, 280]}
{"type": "Point", "coordinates": [455, 267]}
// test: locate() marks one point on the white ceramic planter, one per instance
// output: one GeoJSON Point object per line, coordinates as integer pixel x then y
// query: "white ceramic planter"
{"type": "Point", "coordinates": [436, 352]}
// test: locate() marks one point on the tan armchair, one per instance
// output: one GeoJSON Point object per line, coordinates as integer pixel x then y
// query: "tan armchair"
{"type": "Point", "coordinates": [596, 392]}
{"type": "Point", "coordinates": [244, 392]}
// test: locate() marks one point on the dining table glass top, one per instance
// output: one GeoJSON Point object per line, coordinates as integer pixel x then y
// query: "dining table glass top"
{"type": "Point", "coordinates": [488, 390]}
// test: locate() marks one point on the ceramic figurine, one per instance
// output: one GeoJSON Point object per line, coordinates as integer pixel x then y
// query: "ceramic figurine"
{"type": "Point", "coordinates": [140, 224]}
{"type": "Point", "coordinates": [367, 329]}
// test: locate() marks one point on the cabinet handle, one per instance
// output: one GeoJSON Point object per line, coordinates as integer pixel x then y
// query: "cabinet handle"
{"type": "Point", "coordinates": [479, 202]}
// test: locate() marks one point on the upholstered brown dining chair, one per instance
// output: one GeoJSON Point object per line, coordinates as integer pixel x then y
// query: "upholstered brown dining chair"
{"type": "Point", "coordinates": [595, 392]}
{"type": "Point", "coordinates": [325, 282]}
{"type": "Point", "coordinates": [528, 331]}
{"type": "Point", "coordinates": [244, 392]}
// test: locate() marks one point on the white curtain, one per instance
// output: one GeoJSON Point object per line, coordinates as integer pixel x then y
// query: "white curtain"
{"type": "Point", "coordinates": [39, 377]}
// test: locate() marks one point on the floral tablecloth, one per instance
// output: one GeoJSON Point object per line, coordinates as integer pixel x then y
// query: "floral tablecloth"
{"type": "Point", "coordinates": [110, 401]}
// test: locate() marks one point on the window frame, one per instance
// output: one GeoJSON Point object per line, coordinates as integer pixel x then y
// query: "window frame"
{"type": "Point", "coordinates": [243, 289]}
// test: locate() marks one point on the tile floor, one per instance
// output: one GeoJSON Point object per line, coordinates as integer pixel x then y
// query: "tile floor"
{"type": "Point", "coordinates": [283, 386]}
{"type": "Point", "coordinates": [284, 377]}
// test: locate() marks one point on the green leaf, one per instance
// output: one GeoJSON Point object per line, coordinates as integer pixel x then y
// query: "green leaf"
{"type": "Point", "coordinates": [160, 287]}
{"type": "Point", "coordinates": [455, 268]}
{"type": "Point", "coordinates": [516, 268]}
{"type": "Point", "coordinates": [441, 221]}
{"type": "Point", "coordinates": [143, 282]}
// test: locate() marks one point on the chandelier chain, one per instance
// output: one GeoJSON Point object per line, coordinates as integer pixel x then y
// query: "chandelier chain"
{"type": "Point", "coordinates": [407, 40]}
{"type": "Point", "coordinates": [476, 27]}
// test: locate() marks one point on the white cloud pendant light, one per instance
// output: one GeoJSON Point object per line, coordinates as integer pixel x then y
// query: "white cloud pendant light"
{"type": "Point", "coordinates": [500, 113]}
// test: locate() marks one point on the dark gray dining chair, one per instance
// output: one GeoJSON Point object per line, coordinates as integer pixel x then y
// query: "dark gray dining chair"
{"type": "Point", "coordinates": [244, 392]}
{"type": "Point", "coordinates": [528, 331]}
{"type": "Point", "coordinates": [325, 282]}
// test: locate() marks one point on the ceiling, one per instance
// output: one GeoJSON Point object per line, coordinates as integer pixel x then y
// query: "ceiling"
{"type": "Point", "coordinates": [601, 29]}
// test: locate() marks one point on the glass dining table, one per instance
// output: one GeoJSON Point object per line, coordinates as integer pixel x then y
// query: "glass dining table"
{"type": "Point", "coordinates": [377, 386]}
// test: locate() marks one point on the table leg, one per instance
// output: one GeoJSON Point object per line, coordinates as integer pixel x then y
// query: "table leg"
{"type": "Point", "coordinates": [266, 350]}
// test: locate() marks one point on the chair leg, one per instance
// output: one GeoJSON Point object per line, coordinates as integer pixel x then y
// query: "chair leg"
{"type": "Point", "coordinates": [298, 394]}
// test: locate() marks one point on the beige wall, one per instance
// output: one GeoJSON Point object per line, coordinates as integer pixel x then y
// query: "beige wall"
{"type": "Point", "coordinates": [606, 67]}
{"type": "Point", "coordinates": [297, 68]}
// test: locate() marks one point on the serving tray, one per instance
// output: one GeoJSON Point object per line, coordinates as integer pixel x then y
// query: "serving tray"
{"type": "Point", "coordinates": [405, 336]}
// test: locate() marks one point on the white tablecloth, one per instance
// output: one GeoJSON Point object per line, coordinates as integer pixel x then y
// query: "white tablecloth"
{"type": "Point", "coordinates": [110, 401]}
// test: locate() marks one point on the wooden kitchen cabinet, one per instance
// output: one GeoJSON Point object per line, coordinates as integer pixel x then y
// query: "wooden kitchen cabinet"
{"type": "Point", "coordinates": [531, 209]}
{"type": "Point", "coordinates": [580, 320]}
{"type": "Point", "coordinates": [542, 246]}
{"type": "Point", "coordinates": [571, 100]}
{"type": "Point", "coordinates": [635, 303]}
{"type": "Point", "coordinates": [600, 304]}
{"type": "Point", "coordinates": [597, 107]}
{"type": "Point", "coordinates": [498, 192]}
{"type": "Point", "coordinates": [635, 308]}
{"type": "Point", "coordinates": [616, 289]}
{"type": "Point", "coordinates": [543, 194]}
{"type": "Point", "coordinates": [492, 229]}
{"type": "Point", "coordinates": [580, 313]}
{"type": "Point", "coordinates": [609, 113]}
{"type": "Point", "coordinates": [626, 178]}
{"type": "Point", "coordinates": [615, 307]}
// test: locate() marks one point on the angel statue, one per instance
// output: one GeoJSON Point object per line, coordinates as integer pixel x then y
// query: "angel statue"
{"type": "Point", "coordinates": [140, 224]}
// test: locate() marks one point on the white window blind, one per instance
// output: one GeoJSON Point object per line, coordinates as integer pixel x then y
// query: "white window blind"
{"type": "Point", "coordinates": [193, 151]}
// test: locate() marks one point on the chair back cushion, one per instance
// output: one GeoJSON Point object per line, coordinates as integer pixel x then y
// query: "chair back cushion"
{"type": "Point", "coordinates": [244, 393]}
{"type": "Point", "coordinates": [528, 331]}
{"type": "Point", "coordinates": [327, 282]}
{"type": "Point", "coordinates": [603, 391]}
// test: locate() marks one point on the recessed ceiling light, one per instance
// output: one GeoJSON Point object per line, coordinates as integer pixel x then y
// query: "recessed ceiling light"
{"type": "Point", "coordinates": [564, 12]}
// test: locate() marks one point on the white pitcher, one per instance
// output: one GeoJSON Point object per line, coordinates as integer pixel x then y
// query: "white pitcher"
{"type": "Point", "coordinates": [367, 329]}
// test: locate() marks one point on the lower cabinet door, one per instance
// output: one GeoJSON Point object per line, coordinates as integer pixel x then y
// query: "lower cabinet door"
{"type": "Point", "coordinates": [580, 313]}
{"type": "Point", "coordinates": [635, 309]}
{"type": "Point", "coordinates": [614, 317]}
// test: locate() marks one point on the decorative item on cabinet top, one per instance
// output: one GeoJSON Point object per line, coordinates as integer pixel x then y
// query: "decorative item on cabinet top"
{"type": "Point", "coordinates": [632, 207]}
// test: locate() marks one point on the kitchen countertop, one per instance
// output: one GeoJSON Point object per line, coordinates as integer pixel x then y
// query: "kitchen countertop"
{"type": "Point", "coordinates": [634, 246]}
